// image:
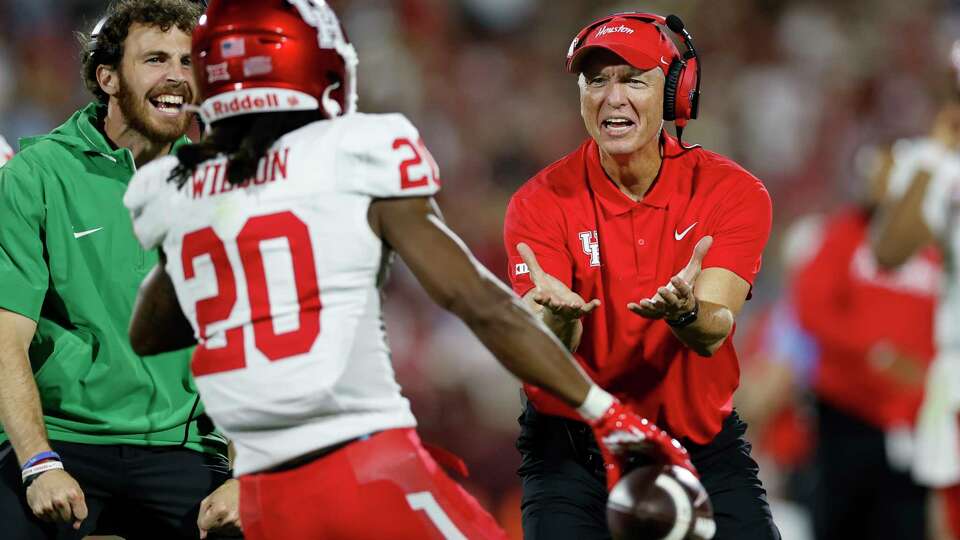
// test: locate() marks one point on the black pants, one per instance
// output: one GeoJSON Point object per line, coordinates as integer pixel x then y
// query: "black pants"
{"type": "Point", "coordinates": [136, 492]}
{"type": "Point", "coordinates": [857, 493]}
{"type": "Point", "coordinates": [564, 484]}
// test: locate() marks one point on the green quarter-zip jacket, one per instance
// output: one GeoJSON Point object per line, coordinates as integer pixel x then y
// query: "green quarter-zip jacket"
{"type": "Point", "coordinates": [69, 261]}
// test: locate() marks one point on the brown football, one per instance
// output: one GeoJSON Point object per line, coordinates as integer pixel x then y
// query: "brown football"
{"type": "Point", "coordinates": [660, 502]}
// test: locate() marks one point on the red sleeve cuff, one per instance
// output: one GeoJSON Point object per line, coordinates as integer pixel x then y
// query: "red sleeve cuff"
{"type": "Point", "coordinates": [745, 273]}
{"type": "Point", "coordinates": [520, 274]}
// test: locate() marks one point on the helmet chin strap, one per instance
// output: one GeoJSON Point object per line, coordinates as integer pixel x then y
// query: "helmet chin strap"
{"type": "Point", "coordinates": [330, 105]}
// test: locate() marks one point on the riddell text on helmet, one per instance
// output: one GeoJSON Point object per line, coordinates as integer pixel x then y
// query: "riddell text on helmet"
{"type": "Point", "coordinates": [247, 103]}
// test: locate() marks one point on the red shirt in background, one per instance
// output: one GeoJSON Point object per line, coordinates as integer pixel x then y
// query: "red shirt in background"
{"type": "Point", "coordinates": [592, 237]}
{"type": "Point", "coordinates": [849, 305]}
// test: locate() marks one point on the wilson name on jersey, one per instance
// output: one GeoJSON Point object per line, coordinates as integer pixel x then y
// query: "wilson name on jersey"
{"type": "Point", "coordinates": [280, 277]}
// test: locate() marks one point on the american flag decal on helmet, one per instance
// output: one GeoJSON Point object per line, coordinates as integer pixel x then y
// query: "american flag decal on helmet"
{"type": "Point", "coordinates": [232, 47]}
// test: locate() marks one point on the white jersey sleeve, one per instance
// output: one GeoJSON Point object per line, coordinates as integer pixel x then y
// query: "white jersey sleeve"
{"type": "Point", "coordinates": [383, 156]}
{"type": "Point", "coordinates": [6, 152]}
{"type": "Point", "coordinates": [914, 156]}
{"type": "Point", "coordinates": [148, 197]}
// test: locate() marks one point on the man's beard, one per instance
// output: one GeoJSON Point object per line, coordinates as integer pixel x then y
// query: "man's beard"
{"type": "Point", "coordinates": [136, 111]}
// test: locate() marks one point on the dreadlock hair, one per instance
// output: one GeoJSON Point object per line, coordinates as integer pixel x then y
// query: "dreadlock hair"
{"type": "Point", "coordinates": [243, 139]}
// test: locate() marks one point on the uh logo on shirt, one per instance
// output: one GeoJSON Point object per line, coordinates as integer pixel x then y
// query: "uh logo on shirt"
{"type": "Point", "coordinates": [590, 243]}
{"type": "Point", "coordinates": [591, 246]}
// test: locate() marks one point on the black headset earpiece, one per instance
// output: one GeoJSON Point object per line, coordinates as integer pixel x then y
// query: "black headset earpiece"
{"type": "Point", "coordinates": [94, 35]}
{"type": "Point", "coordinates": [670, 89]}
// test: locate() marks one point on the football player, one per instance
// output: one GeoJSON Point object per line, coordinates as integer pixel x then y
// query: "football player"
{"type": "Point", "coordinates": [924, 187]}
{"type": "Point", "coordinates": [276, 232]}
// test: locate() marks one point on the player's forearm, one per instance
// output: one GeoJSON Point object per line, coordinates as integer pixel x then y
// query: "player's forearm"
{"type": "Point", "coordinates": [899, 230]}
{"type": "Point", "coordinates": [463, 286]}
{"type": "Point", "coordinates": [523, 346]}
{"type": "Point", "coordinates": [20, 411]}
{"type": "Point", "coordinates": [158, 324]}
{"type": "Point", "coordinates": [714, 323]}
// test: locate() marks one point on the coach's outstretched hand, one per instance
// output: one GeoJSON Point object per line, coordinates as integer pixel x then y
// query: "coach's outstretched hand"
{"type": "Point", "coordinates": [676, 298]}
{"type": "Point", "coordinates": [220, 511]}
{"type": "Point", "coordinates": [55, 496]}
{"type": "Point", "coordinates": [620, 432]}
{"type": "Point", "coordinates": [551, 293]}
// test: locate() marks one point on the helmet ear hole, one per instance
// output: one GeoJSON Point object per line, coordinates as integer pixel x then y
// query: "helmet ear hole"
{"type": "Point", "coordinates": [670, 89]}
{"type": "Point", "coordinates": [331, 106]}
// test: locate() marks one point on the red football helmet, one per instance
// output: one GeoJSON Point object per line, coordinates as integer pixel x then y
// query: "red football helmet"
{"type": "Point", "coordinates": [254, 56]}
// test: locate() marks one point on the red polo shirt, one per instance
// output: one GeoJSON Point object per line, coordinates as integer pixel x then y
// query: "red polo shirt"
{"type": "Point", "coordinates": [591, 236]}
{"type": "Point", "coordinates": [849, 304]}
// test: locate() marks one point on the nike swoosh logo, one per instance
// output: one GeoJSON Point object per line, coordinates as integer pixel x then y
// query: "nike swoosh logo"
{"type": "Point", "coordinates": [664, 62]}
{"type": "Point", "coordinates": [679, 236]}
{"type": "Point", "coordinates": [81, 234]}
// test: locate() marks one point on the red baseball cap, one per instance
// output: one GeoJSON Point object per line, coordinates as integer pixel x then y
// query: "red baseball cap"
{"type": "Point", "coordinates": [636, 40]}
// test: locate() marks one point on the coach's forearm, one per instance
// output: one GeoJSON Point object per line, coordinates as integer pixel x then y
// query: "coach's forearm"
{"type": "Point", "coordinates": [20, 411]}
{"type": "Point", "coordinates": [714, 323]}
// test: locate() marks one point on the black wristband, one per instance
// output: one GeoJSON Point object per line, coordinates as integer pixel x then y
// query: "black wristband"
{"type": "Point", "coordinates": [687, 318]}
{"type": "Point", "coordinates": [31, 473]}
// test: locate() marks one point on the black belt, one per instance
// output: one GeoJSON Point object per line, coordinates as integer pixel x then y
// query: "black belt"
{"type": "Point", "coordinates": [583, 446]}
{"type": "Point", "coordinates": [550, 437]}
{"type": "Point", "coordinates": [310, 457]}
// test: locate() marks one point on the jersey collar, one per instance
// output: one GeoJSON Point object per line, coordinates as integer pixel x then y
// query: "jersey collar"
{"type": "Point", "coordinates": [659, 195]}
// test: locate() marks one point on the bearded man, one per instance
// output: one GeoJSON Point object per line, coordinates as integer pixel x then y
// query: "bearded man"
{"type": "Point", "coordinates": [94, 437]}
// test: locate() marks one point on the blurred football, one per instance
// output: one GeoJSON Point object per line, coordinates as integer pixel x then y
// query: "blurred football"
{"type": "Point", "coordinates": [660, 502]}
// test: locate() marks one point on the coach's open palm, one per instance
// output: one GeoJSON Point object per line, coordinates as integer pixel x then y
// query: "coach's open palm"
{"type": "Point", "coordinates": [675, 298]}
{"type": "Point", "coordinates": [551, 293]}
{"type": "Point", "coordinates": [55, 496]}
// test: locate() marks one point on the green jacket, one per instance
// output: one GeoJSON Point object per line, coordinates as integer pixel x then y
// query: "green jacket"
{"type": "Point", "coordinates": [69, 260]}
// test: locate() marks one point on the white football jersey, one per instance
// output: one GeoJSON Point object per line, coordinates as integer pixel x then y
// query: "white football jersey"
{"type": "Point", "coordinates": [941, 212]}
{"type": "Point", "coordinates": [5, 151]}
{"type": "Point", "coordinates": [936, 452]}
{"type": "Point", "coordinates": [280, 278]}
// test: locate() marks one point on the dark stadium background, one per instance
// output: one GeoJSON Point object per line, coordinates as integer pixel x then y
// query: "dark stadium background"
{"type": "Point", "coordinates": [793, 90]}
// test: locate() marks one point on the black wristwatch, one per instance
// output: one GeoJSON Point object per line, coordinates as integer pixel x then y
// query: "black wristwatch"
{"type": "Point", "coordinates": [687, 318]}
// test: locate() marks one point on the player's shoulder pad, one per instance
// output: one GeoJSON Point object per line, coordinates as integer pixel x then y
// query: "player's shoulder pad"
{"type": "Point", "coordinates": [148, 196]}
{"type": "Point", "coordinates": [382, 155]}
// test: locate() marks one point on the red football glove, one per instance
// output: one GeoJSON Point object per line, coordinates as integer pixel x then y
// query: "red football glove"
{"type": "Point", "coordinates": [620, 432]}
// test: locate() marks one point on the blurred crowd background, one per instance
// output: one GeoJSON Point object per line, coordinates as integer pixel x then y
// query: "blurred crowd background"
{"type": "Point", "coordinates": [796, 91]}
